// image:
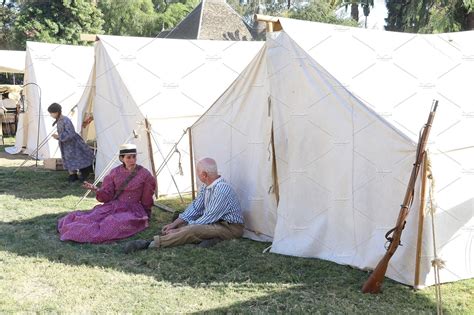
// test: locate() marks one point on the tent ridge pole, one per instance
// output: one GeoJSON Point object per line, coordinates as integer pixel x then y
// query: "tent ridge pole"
{"type": "Point", "coordinates": [273, 23]}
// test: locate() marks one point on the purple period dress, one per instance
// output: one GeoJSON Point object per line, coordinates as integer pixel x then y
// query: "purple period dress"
{"type": "Point", "coordinates": [75, 153]}
{"type": "Point", "coordinates": [114, 219]}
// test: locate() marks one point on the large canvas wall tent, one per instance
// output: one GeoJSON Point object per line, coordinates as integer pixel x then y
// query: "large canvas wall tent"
{"type": "Point", "coordinates": [169, 82]}
{"type": "Point", "coordinates": [318, 136]}
{"type": "Point", "coordinates": [54, 73]}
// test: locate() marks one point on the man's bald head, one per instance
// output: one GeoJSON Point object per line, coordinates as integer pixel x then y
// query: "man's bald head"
{"type": "Point", "coordinates": [207, 170]}
{"type": "Point", "coordinates": [208, 165]}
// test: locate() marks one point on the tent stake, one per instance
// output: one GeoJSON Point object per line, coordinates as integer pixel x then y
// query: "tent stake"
{"type": "Point", "coordinates": [421, 219]}
{"type": "Point", "coordinates": [191, 158]}
{"type": "Point", "coordinates": [150, 154]}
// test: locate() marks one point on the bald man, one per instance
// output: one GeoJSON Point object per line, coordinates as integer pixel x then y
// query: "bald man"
{"type": "Point", "coordinates": [213, 216]}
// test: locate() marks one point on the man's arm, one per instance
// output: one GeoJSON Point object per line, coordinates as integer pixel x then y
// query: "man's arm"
{"type": "Point", "coordinates": [195, 209]}
{"type": "Point", "coordinates": [217, 207]}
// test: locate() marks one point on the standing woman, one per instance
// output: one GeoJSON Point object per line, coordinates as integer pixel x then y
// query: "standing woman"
{"type": "Point", "coordinates": [75, 153]}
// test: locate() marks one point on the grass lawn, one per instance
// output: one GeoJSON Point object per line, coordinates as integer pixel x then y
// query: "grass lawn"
{"type": "Point", "coordinates": [38, 273]}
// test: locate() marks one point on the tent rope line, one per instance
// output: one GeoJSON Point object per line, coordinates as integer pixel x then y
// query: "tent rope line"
{"type": "Point", "coordinates": [437, 262]}
{"type": "Point", "coordinates": [166, 160]}
{"type": "Point", "coordinates": [169, 155]}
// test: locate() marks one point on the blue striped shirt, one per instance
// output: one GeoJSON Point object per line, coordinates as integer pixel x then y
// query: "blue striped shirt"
{"type": "Point", "coordinates": [215, 202]}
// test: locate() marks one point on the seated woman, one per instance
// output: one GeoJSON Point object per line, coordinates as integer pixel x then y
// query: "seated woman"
{"type": "Point", "coordinates": [127, 196]}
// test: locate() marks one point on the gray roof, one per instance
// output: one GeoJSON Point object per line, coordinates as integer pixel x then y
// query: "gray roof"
{"type": "Point", "coordinates": [211, 19]}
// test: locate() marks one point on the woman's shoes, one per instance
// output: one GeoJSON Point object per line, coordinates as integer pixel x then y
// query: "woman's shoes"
{"type": "Point", "coordinates": [85, 172]}
{"type": "Point", "coordinates": [72, 178]}
{"type": "Point", "coordinates": [133, 246]}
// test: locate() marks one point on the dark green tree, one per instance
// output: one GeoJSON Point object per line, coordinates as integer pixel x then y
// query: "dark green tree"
{"type": "Point", "coordinates": [57, 21]}
{"type": "Point", "coordinates": [430, 16]}
{"type": "Point", "coordinates": [125, 17]}
{"type": "Point", "coordinates": [8, 13]}
{"type": "Point", "coordinates": [314, 10]}
{"type": "Point", "coordinates": [319, 11]}
{"type": "Point", "coordinates": [142, 17]}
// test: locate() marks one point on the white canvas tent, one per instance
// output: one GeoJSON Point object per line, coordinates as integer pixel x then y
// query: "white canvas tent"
{"type": "Point", "coordinates": [320, 166]}
{"type": "Point", "coordinates": [12, 61]}
{"type": "Point", "coordinates": [171, 83]}
{"type": "Point", "coordinates": [53, 73]}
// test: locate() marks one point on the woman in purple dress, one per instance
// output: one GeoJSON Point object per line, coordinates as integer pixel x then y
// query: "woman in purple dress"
{"type": "Point", "coordinates": [75, 153]}
{"type": "Point", "coordinates": [127, 196]}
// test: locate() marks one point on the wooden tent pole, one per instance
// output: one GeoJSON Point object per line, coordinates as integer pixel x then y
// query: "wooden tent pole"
{"type": "Point", "coordinates": [273, 23]}
{"type": "Point", "coordinates": [191, 160]}
{"type": "Point", "coordinates": [88, 37]}
{"type": "Point", "coordinates": [421, 219]}
{"type": "Point", "coordinates": [150, 154]}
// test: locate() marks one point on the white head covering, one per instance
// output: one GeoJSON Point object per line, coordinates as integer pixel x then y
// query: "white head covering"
{"type": "Point", "coordinates": [128, 148]}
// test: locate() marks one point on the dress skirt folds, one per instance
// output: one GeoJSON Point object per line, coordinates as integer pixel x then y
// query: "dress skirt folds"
{"type": "Point", "coordinates": [75, 153]}
{"type": "Point", "coordinates": [116, 218]}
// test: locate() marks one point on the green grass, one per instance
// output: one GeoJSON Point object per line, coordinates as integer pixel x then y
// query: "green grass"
{"type": "Point", "coordinates": [38, 273]}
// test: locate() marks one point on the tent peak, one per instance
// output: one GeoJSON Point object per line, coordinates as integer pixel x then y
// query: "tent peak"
{"type": "Point", "coordinates": [273, 23]}
{"type": "Point", "coordinates": [89, 37]}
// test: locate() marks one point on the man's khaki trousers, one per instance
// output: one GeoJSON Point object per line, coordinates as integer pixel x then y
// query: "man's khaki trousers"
{"type": "Point", "coordinates": [196, 233]}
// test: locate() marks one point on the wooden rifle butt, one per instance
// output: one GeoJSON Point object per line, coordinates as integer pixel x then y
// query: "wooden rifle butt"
{"type": "Point", "coordinates": [374, 283]}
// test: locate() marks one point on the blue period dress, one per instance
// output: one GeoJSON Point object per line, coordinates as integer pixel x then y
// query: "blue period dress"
{"type": "Point", "coordinates": [75, 153]}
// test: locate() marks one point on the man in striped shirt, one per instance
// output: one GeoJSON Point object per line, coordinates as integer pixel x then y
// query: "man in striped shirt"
{"type": "Point", "coordinates": [213, 216]}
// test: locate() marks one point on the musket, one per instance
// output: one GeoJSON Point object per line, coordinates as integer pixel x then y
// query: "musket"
{"type": "Point", "coordinates": [374, 283]}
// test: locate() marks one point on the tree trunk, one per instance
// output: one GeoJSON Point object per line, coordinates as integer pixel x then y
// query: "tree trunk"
{"type": "Point", "coordinates": [470, 21]}
{"type": "Point", "coordinates": [355, 11]}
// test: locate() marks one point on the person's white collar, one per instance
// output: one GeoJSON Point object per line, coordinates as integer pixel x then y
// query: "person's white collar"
{"type": "Point", "coordinates": [215, 182]}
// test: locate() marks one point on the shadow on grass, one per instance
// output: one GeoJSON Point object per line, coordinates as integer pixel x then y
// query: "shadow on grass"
{"type": "Point", "coordinates": [13, 157]}
{"type": "Point", "coordinates": [37, 183]}
{"type": "Point", "coordinates": [281, 283]}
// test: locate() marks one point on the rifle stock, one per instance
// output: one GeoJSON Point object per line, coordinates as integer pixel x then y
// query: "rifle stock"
{"type": "Point", "coordinates": [374, 283]}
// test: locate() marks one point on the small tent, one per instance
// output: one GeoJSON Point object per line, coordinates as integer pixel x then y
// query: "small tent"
{"type": "Point", "coordinates": [321, 171]}
{"type": "Point", "coordinates": [169, 82]}
{"type": "Point", "coordinates": [54, 73]}
{"type": "Point", "coordinates": [12, 61]}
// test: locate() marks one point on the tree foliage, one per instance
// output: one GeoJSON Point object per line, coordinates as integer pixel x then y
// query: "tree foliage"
{"type": "Point", "coordinates": [142, 17]}
{"type": "Point", "coordinates": [57, 21]}
{"type": "Point", "coordinates": [8, 12]}
{"type": "Point", "coordinates": [430, 16]}
{"type": "Point", "coordinates": [354, 4]}
{"type": "Point", "coordinates": [319, 11]}
{"type": "Point", "coordinates": [314, 10]}
{"type": "Point", "coordinates": [62, 21]}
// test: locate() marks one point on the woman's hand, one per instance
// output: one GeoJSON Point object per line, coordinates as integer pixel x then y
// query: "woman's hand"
{"type": "Point", "coordinates": [89, 186]}
{"type": "Point", "coordinates": [55, 136]}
